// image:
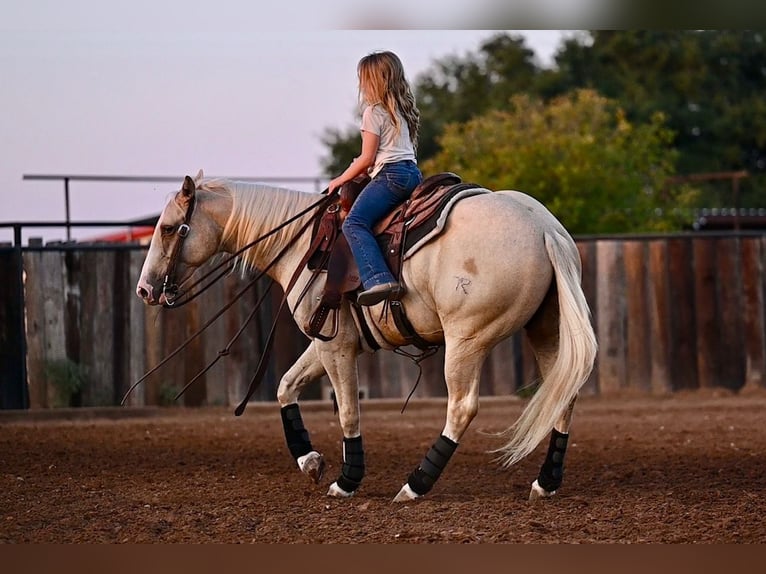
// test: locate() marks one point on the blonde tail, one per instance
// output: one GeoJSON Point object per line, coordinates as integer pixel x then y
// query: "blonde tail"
{"type": "Point", "coordinates": [574, 362]}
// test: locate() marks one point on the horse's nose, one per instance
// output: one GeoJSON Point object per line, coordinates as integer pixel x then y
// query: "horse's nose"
{"type": "Point", "coordinates": [145, 291]}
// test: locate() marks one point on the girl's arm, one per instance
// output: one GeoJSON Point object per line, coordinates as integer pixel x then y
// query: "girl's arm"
{"type": "Point", "coordinates": [361, 164]}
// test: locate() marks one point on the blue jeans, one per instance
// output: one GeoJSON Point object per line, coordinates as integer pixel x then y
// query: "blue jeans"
{"type": "Point", "coordinates": [390, 187]}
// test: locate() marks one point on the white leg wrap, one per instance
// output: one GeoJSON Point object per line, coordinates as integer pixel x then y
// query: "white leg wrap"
{"type": "Point", "coordinates": [539, 492]}
{"type": "Point", "coordinates": [406, 494]}
{"type": "Point", "coordinates": [337, 492]}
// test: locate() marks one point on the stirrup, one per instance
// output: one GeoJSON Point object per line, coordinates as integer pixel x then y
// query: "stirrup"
{"type": "Point", "coordinates": [315, 324]}
{"type": "Point", "coordinates": [379, 293]}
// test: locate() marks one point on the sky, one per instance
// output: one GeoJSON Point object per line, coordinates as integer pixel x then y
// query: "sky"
{"type": "Point", "coordinates": [168, 88]}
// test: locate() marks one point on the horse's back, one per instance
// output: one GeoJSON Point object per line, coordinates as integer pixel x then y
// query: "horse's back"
{"type": "Point", "coordinates": [490, 266]}
{"type": "Point", "coordinates": [535, 208]}
{"type": "Point", "coordinates": [507, 217]}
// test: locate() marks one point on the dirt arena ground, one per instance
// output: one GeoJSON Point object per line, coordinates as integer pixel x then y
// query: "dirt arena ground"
{"type": "Point", "coordinates": [688, 468]}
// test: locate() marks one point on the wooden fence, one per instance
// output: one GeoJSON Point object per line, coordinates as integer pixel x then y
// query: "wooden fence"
{"type": "Point", "coordinates": [671, 313]}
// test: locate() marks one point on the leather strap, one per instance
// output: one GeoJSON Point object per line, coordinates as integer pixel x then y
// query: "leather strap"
{"type": "Point", "coordinates": [342, 277]}
{"type": "Point", "coordinates": [261, 370]}
{"type": "Point", "coordinates": [169, 285]}
{"type": "Point", "coordinates": [364, 327]}
{"type": "Point", "coordinates": [406, 329]}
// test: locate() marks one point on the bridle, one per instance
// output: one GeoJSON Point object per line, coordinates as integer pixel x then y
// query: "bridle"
{"type": "Point", "coordinates": [169, 286]}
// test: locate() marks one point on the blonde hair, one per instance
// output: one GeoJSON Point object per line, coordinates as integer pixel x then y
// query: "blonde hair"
{"type": "Point", "coordinates": [382, 81]}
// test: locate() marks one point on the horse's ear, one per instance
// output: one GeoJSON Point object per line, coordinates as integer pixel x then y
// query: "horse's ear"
{"type": "Point", "coordinates": [188, 187]}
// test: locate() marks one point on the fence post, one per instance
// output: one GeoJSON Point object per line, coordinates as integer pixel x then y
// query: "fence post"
{"type": "Point", "coordinates": [13, 367]}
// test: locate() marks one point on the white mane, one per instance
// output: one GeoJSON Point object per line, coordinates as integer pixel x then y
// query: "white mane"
{"type": "Point", "coordinates": [256, 210]}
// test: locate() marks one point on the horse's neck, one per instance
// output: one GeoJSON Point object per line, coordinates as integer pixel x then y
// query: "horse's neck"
{"type": "Point", "coordinates": [257, 211]}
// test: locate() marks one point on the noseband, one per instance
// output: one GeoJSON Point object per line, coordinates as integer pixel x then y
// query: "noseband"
{"type": "Point", "coordinates": [169, 285]}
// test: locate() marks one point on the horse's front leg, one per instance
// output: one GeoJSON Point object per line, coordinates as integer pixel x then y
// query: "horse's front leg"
{"type": "Point", "coordinates": [462, 369]}
{"type": "Point", "coordinates": [339, 360]}
{"type": "Point", "coordinates": [307, 368]}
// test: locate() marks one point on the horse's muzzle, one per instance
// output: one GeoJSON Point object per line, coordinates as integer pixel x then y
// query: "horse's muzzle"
{"type": "Point", "coordinates": [146, 292]}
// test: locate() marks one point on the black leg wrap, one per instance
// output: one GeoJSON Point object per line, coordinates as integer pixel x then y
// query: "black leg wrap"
{"type": "Point", "coordinates": [425, 476]}
{"type": "Point", "coordinates": [552, 472]}
{"type": "Point", "coordinates": [352, 471]}
{"type": "Point", "coordinates": [296, 434]}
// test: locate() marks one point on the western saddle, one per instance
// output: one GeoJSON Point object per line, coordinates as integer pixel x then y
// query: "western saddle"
{"type": "Point", "coordinates": [404, 226]}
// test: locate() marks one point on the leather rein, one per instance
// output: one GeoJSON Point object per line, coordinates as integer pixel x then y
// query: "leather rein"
{"type": "Point", "coordinates": [171, 288]}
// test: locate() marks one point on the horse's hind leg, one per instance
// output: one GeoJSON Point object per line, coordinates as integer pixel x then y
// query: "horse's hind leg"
{"type": "Point", "coordinates": [552, 472]}
{"type": "Point", "coordinates": [543, 334]}
{"type": "Point", "coordinates": [307, 368]}
{"type": "Point", "coordinates": [462, 369]}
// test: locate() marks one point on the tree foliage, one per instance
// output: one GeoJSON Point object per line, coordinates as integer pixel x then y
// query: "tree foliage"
{"type": "Point", "coordinates": [707, 86]}
{"type": "Point", "coordinates": [343, 146]}
{"type": "Point", "coordinates": [578, 154]}
{"type": "Point", "coordinates": [460, 88]}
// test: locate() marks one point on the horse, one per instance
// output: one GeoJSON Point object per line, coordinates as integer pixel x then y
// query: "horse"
{"type": "Point", "coordinates": [502, 263]}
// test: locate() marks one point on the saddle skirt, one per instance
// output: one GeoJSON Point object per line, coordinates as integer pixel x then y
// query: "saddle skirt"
{"type": "Point", "coordinates": [408, 227]}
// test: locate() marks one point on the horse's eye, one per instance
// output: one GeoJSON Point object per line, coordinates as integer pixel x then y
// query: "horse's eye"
{"type": "Point", "coordinates": [167, 229]}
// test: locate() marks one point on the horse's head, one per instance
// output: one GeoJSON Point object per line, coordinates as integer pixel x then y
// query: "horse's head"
{"type": "Point", "coordinates": [185, 237]}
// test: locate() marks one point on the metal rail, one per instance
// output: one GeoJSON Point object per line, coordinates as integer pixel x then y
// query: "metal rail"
{"type": "Point", "coordinates": [66, 178]}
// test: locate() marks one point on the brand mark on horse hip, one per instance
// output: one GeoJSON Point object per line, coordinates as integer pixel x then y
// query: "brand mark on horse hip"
{"type": "Point", "coordinates": [462, 283]}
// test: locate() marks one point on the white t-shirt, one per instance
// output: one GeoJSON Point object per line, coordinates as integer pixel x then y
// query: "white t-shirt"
{"type": "Point", "coordinates": [393, 146]}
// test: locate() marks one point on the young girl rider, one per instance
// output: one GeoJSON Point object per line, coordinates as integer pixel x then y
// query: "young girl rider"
{"type": "Point", "coordinates": [390, 122]}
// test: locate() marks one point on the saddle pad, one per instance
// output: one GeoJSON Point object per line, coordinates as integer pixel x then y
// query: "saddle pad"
{"type": "Point", "coordinates": [430, 229]}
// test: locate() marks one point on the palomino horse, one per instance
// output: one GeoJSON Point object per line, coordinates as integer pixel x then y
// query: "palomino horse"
{"type": "Point", "coordinates": [503, 263]}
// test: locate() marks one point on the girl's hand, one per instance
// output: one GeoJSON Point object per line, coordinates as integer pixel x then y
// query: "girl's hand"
{"type": "Point", "coordinates": [334, 184]}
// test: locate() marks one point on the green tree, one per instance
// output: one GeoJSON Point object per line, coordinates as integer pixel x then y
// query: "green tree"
{"type": "Point", "coordinates": [579, 155]}
{"type": "Point", "coordinates": [457, 89]}
{"type": "Point", "coordinates": [342, 147]}
{"type": "Point", "coordinates": [709, 84]}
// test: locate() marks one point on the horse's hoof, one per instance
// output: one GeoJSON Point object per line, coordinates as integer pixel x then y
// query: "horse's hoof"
{"type": "Point", "coordinates": [337, 492]}
{"type": "Point", "coordinates": [312, 465]}
{"type": "Point", "coordinates": [539, 492]}
{"type": "Point", "coordinates": [406, 494]}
